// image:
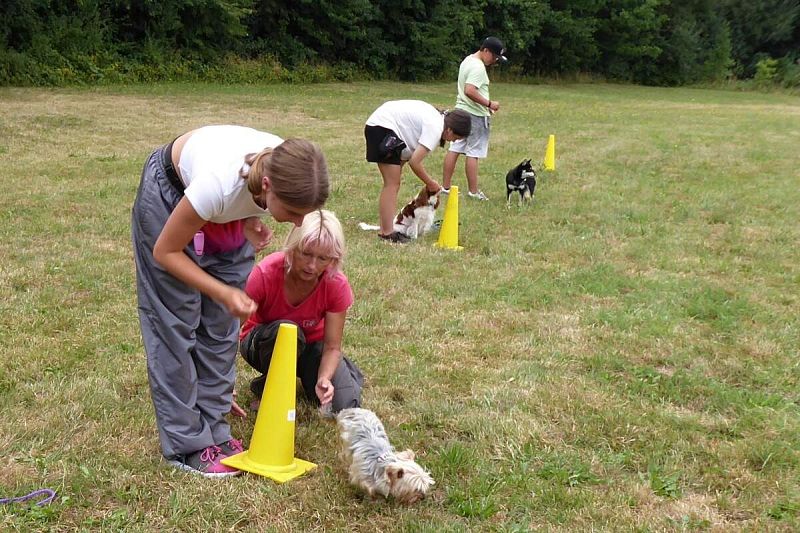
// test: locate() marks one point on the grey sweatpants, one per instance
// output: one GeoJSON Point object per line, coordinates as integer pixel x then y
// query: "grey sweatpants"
{"type": "Point", "coordinates": [190, 340]}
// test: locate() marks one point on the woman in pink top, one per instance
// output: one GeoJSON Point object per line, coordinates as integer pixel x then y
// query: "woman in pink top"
{"type": "Point", "coordinates": [304, 285]}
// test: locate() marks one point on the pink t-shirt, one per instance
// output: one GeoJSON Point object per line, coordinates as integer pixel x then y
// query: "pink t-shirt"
{"type": "Point", "coordinates": [265, 286]}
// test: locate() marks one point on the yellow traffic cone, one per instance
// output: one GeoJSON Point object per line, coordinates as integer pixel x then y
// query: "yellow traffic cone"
{"type": "Point", "coordinates": [448, 235]}
{"type": "Point", "coordinates": [271, 452]}
{"type": "Point", "coordinates": [550, 154]}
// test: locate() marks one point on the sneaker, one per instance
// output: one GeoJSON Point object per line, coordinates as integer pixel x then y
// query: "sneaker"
{"type": "Point", "coordinates": [257, 385]}
{"type": "Point", "coordinates": [444, 191]}
{"type": "Point", "coordinates": [395, 237]}
{"type": "Point", "coordinates": [232, 447]}
{"type": "Point", "coordinates": [205, 462]}
{"type": "Point", "coordinates": [477, 195]}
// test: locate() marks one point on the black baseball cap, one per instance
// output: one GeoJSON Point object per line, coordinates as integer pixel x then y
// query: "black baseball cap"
{"type": "Point", "coordinates": [495, 46]}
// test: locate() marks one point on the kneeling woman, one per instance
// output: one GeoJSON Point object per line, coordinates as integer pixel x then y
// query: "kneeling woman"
{"type": "Point", "coordinates": [304, 285]}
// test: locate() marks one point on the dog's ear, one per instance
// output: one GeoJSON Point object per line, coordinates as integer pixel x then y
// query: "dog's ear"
{"type": "Point", "coordinates": [406, 455]}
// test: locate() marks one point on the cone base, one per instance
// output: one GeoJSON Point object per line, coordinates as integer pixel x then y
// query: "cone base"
{"type": "Point", "coordinates": [281, 474]}
{"type": "Point", "coordinates": [446, 247]}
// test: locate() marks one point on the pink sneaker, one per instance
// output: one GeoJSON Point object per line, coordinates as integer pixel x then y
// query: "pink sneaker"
{"type": "Point", "coordinates": [205, 462]}
{"type": "Point", "coordinates": [232, 447]}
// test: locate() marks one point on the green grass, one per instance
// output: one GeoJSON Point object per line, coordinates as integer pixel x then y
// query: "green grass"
{"type": "Point", "coordinates": [621, 356]}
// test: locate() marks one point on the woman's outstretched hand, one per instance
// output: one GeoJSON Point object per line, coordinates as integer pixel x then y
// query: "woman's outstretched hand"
{"type": "Point", "coordinates": [324, 390]}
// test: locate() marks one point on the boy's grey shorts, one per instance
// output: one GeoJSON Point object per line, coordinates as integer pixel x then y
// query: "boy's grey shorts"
{"type": "Point", "coordinates": [477, 144]}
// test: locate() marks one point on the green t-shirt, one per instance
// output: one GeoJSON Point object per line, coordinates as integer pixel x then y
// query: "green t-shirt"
{"type": "Point", "coordinates": [472, 71]}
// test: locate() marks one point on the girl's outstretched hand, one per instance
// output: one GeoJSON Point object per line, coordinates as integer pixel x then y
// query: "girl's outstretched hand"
{"type": "Point", "coordinates": [258, 233]}
{"type": "Point", "coordinates": [239, 304]}
{"type": "Point", "coordinates": [236, 409]}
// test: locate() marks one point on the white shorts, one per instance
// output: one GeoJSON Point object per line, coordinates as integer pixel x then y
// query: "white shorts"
{"type": "Point", "coordinates": [477, 144]}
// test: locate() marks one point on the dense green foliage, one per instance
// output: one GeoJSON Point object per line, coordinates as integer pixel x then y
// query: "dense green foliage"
{"type": "Point", "coordinates": [660, 42]}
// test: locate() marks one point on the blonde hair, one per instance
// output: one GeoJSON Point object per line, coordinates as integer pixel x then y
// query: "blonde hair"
{"type": "Point", "coordinates": [320, 228]}
{"type": "Point", "coordinates": [297, 171]}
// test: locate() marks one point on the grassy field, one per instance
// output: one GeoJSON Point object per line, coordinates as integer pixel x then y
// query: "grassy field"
{"type": "Point", "coordinates": [621, 356]}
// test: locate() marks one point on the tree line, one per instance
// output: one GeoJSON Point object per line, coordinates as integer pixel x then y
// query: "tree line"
{"type": "Point", "coordinates": [654, 42]}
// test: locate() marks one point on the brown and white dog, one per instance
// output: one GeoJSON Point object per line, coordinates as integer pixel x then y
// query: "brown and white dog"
{"type": "Point", "coordinates": [416, 217]}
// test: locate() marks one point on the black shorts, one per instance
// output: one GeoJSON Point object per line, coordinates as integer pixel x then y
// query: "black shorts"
{"type": "Point", "coordinates": [375, 136]}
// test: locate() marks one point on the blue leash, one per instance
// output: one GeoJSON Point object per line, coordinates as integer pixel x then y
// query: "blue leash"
{"type": "Point", "coordinates": [50, 496]}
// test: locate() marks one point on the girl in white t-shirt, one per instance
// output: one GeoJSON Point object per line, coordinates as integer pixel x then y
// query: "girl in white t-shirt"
{"type": "Point", "coordinates": [196, 226]}
{"type": "Point", "coordinates": [406, 131]}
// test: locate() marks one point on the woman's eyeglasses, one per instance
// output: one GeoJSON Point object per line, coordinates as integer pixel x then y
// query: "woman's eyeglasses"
{"type": "Point", "coordinates": [321, 259]}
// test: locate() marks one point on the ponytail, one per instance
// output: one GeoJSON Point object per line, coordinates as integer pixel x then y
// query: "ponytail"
{"type": "Point", "coordinates": [297, 171]}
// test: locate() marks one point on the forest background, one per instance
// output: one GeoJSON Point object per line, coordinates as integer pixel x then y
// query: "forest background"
{"type": "Point", "coordinates": [651, 42]}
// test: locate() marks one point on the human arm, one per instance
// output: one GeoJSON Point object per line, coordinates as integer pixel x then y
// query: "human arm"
{"type": "Point", "coordinates": [331, 355]}
{"type": "Point", "coordinates": [419, 169]}
{"type": "Point", "coordinates": [473, 94]}
{"type": "Point", "coordinates": [236, 409]}
{"type": "Point", "coordinates": [180, 228]}
{"type": "Point", "coordinates": [258, 233]}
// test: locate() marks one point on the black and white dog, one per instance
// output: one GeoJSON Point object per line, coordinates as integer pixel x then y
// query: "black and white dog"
{"type": "Point", "coordinates": [521, 178]}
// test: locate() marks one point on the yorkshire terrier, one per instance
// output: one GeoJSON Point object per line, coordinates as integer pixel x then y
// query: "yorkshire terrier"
{"type": "Point", "coordinates": [375, 466]}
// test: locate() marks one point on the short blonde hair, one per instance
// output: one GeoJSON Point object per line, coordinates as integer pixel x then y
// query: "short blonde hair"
{"type": "Point", "coordinates": [319, 228]}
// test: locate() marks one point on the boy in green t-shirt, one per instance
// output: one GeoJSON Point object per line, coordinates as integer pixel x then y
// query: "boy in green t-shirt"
{"type": "Point", "coordinates": [473, 97]}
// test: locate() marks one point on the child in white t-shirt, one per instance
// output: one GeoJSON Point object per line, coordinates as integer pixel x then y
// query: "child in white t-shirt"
{"type": "Point", "coordinates": [406, 131]}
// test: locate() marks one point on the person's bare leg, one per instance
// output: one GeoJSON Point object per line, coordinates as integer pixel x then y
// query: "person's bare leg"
{"type": "Point", "coordinates": [449, 168]}
{"type": "Point", "coordinates": [387, 203]}
{"type": "Point", "coordinates": [471, 168]}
